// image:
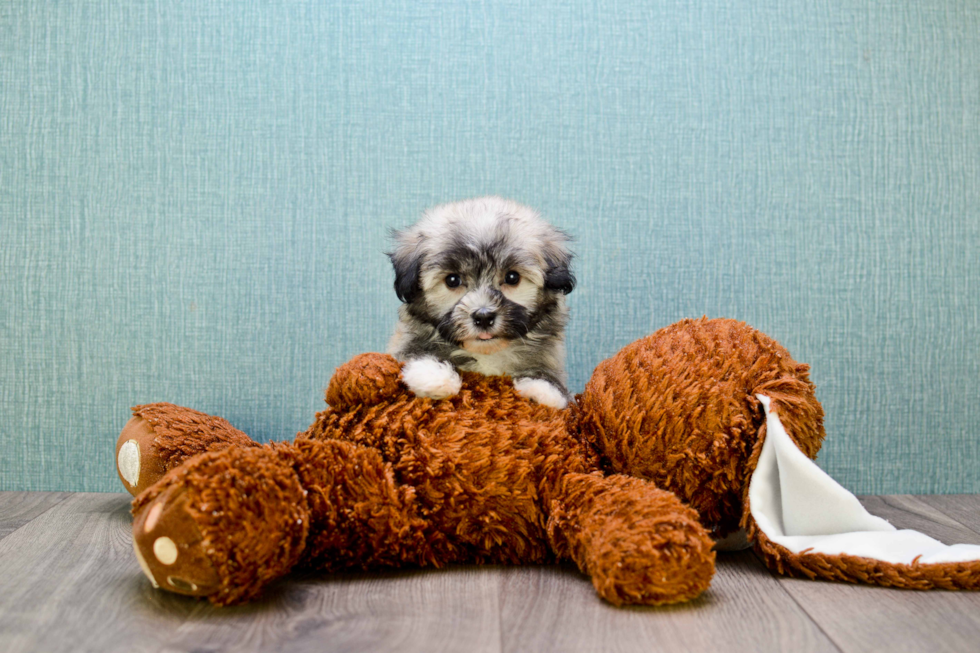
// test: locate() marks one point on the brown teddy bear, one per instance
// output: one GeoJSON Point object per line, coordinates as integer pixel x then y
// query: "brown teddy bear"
{"type": "Point", "coordinates": [634, 482]}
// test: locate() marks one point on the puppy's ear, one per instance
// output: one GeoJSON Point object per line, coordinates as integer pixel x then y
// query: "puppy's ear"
{"type": "Point", "coordinates": [559, 278]}
{"type": "Point", "coordinates": [407, 285]}
{"type": "Point", "coordinates": [558, 260]}
{"type": "Point", "coordinates": [407, 261]}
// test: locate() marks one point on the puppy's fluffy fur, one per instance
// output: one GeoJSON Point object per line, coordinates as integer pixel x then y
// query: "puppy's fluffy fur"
{"type": "Point", "coordinates": [483, 285]}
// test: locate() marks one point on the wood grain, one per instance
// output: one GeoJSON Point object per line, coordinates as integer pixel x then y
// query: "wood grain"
{"type": "Point", "coordinates": [556, 609]}
{"type": "Point", "coordinates": [18, 508]}
{"type": "Point", "coordinates": [69, 582]}
{"type": "Point", "coordinates": [416, 610]}
{"type": "Point", "coordinates": [861, 618]}
{"type": "Point", "coordinates": [920, 513]}
{"type": "Point", "coordinates": [964, 508]}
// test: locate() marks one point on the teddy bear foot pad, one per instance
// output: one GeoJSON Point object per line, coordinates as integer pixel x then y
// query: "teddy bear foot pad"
{"type": "Point", "coordinates": [170, 549]}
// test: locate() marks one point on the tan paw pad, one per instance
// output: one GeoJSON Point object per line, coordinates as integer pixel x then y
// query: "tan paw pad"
{"type": "Point", "coordinates": [128, 462]}
{"type": "Point", "coordinates": [165, 550]}
{"type": "Point", "coordinates": [170, 548]}
{"type": "Point", "coordinates": [138, 461]}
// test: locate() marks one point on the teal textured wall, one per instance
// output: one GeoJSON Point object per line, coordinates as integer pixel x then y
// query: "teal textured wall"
{"type": "Point", "coordinates": [194, 199]}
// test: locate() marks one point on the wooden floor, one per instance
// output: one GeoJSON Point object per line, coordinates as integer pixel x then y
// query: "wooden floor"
{"type": "Point", "coordinates": [69, 582]}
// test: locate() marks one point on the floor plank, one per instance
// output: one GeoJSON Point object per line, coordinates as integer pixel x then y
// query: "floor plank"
{"type": "Point", "coordinates": [556, 609]}
{"type": "Point", "coordinates": [964, 508]}
{"type": "Point", "coordinates": [861, 618]}
{"type": "Point", "coordinates": [69, 582]}
{"type": "Point", "coordinates": [18, 508]}
{"type": "Point", "coordinates": [917, 513]}
{"type": "Point", "coordinates": [416, 610]}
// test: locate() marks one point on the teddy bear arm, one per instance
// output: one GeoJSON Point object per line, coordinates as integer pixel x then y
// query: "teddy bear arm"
{"type": "Point", "coordinates": [638, 543]}
{"type": "Point", "coordinates": [366, 379]}
{"type": "Point", "coordinates": [161, 436]}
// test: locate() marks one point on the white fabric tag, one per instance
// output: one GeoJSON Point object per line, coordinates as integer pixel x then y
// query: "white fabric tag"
{"type": "Point", "coordinates": [798, 506]}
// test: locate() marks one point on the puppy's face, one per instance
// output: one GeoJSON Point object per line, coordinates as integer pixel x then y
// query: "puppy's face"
{"type": "Point", "coordinates": [482, 304]}
{"type": "Point", "coordinates": [484, 273]}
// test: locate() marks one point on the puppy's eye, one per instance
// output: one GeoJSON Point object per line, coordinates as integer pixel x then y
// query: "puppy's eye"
{"type": "Point", "coordinates": [512, 278]}
{"type": "Point", "coordinates": [453, 280]}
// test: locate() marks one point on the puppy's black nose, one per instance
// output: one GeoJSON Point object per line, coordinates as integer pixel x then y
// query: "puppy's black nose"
{"type": "Point", "coordinates": [483, 318]}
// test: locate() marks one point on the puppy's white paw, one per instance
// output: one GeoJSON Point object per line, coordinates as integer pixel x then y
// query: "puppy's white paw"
{"type": "Point", "coordinates": [430, 377]}
{"type": "Point", "coordinates": [541, 391]}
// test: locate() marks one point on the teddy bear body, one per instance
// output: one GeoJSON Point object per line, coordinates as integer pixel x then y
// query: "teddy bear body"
{"type": "Point", "coordinates": [660, 449]}
{"type": "Point", "coordinates": [679, 408]}
{"type": "Point", "coordinates": [383, 479]}
{"type": "Point", "coordinates": [474, 489]}
{"type": "Point", "coordinates": [665, 443]}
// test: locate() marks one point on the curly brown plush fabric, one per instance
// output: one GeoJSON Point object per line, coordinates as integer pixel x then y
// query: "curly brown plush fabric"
{"type": "Point", "coordinates": [639, 543]}
{"type": "Point", "coordinates": [168, 435]}
{"type": "Point", "coordinates": [661, 445]}
{"type": "Point", "coordinates": [679, 408]}
{"type": "Point", "coordinates": [855, 569]}
{"type": "Point", "coordinates": [479, 464]}
{"type": "Point", "coordinates": [383, 478]}
{"type": "Point", "coordinates": [242, 507]}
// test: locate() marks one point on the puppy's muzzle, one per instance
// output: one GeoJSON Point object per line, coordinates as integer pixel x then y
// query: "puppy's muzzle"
{"type": "Point", "coordinates": [483, 318]}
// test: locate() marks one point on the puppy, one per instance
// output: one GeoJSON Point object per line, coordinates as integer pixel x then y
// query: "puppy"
{"type": "Point", "coordinates": [482, 284]}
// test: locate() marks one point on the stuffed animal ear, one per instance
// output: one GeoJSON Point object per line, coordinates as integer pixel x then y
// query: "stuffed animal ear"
{"type": "Point", "coordinates": [805, 524]}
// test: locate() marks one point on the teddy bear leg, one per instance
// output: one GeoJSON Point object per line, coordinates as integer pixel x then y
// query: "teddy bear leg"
{"type": "Point", "coordinates": [638, 543]}
{"type": "Point", "coordinates": [161, 436]}
{"type": "Point", "coordinates": [226, 523]}
{"type": "Point", "coordinates": [223, 525]}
